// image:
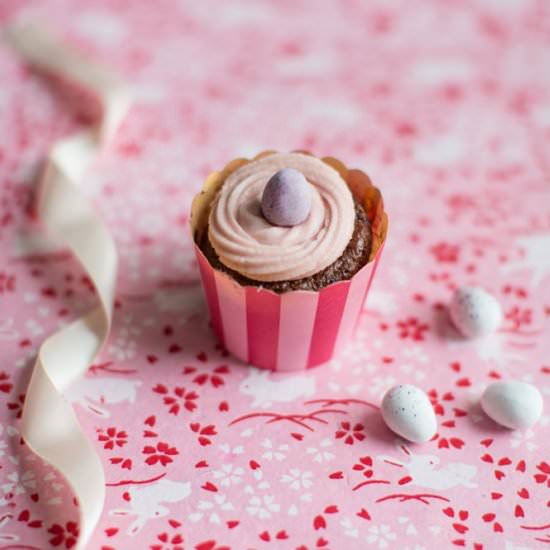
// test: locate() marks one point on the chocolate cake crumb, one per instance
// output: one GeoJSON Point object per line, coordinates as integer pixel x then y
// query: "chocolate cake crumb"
{"type": "Point", "coordinates": [354, 257]}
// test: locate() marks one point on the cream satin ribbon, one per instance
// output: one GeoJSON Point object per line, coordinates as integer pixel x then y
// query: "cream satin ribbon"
{"type": "Point", "coordinates": [49, 424]}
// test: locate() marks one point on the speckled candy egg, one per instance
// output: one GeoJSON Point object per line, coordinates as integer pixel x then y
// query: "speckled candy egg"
{"type": "Point", "coordinates": [512, 404]}
{"type": "Point", "coordinates": [407, 411]}
{"type": "Point", "coordinates": [286, 200]}
{"type": "Point", "coordinates": [475, 312]}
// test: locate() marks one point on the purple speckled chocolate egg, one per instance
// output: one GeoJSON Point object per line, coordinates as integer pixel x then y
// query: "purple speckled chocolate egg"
{"type": "Point", "coordinates": [286, 199]}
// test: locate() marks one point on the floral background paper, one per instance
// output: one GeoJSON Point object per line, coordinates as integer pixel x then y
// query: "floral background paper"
{"type": "Point", "coordinates": [447, 106]}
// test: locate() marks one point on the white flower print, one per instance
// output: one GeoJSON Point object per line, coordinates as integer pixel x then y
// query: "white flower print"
{"type": "Point", "coordinates": [512, 546]}
{"type": "Point", "coordinates": [3, 444]}
{"type": "Point", "coordinates": [411, 370]}
{"type": "Point", "coordinates": [7, 332]}
{"type": "Point", "coordinates": [211, 508]}
{"type": "Point", "coordinates": [261, 482]}
{"type": "Point", "coordinates": [381, 302]}
{"type": "Point", "coordinates": [349, 529]}
{"type": "Point", "coordinates": [26, 359]}
{"type": "Point", "coordinates": [34, 328]}
{"type": "Point", "coordinates": [274, 453]}
{"type": "Point", "coordinates": [356, 351]}
{"type": "Point", "coordinates": [351, 389]}
{"type": "Point", "coordinates": [298, 479]}
{"type": "Point", "coordinates": [523, 440]}
{"type": "Point", "coordinates": [229, 475]}
{"type": "Point", "coordinates": [416, 352]}
{"type": "Point", "coordinates": [151, 222]}
{"type": "Point", "coordinates": [320, 454]}
{"type": "Point", "coordinates": [377, 343]}
{"type": "Point", "coordinates": [262, 506]}
{"type": "Point", "coordinates": [123, 345]}
{"type": "Point", "coordinates": [381, 384]}
{"type": "Point", "coordinates": [19, 484]}
{"type": "Point", "coordinates": [101, 26]}
{"type": "Point", "coordinates": [411, 529]}
{"type": "Point", "coordinates": [335, 365]}
{"type": "Point", "coordinates": [380, 535]}
{"type": "Point", "coordinates": [228, 450]}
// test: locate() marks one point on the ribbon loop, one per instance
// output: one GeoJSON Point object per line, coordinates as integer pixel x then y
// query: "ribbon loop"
{"type": "Point", "coordinates": [49, 424]}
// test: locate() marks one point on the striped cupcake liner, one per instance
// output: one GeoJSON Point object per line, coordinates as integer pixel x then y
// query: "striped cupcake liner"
{"type": "Point", "coordinates": [284, 332]}
{"type": "Point", "coordinates": [295, 330]}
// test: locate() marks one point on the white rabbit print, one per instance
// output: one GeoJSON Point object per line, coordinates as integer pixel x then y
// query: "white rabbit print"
{"type": "Point", "coordinates": [425, 472]}
{"type": "Point", "coordinates": [535, 259]}
{"type": "Point", "coordinates": [91, 393]}
{"type": "Point", "coordinates": [266, 391]}
{"type": "Point", "coordinates": [146, 501]}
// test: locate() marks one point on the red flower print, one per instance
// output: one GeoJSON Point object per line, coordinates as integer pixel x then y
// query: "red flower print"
{"type": "Point", "coordinates": [25, 517]}
{"type": "Point", "coordinates": [544, 475]}
{"type": "Point", "coordinates": [125, 463]}
{"type": "Point", "coordinates": [436, 401]}
{"type": "Point", "coordinates": [112, 437]}
{"type": "Point", "coordinates": [64, 536]}
{"type": "Point", "coordinates": [412, 328]}
{"type": "Point", "coordinates": [499, 463]}
{"type": "Point", "coordinates": [364, 465]}
{"type": "Point", "coordinates": [516, 291]}
{"type": "Point", "coordinates": [162, 453]}
{"type": "Point", "coordinates": [519, 317]}
{"type": "Point", "coordinates": [5, 386]}
{"type": "Point", "coordinates": [17, 406]}
{"type": "Point", "coordinates": [350, 434]}
{"type": "Point", "coordinates": [281, 535]}
{"type": "Point", "coordinates": [7, 282]}
{"type": "Point", "coordinates": [447, 443]}
{"type": "Point", "coordinates": [445, 253]}
{"type": "Point", "coordinates": [459, 518]}
{"type": "Point", "coordinates": [202, 378]}
{"type": "Point", "coordinates": [203, 432]}
{"type": "Point", "coordinates": [459, 203]}
{"type": "Point", "coordinates": [174, 542]}
{"type": "Point", "coordinates": [210, 545]}
{"type": "Point", "coordinates": [491, 518]}
{"type": "Point", "coordinates": [178, 398]}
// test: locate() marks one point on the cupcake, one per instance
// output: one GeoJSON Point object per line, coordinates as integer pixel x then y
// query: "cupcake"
{"type": "Point", "coordinates": [287, 246]}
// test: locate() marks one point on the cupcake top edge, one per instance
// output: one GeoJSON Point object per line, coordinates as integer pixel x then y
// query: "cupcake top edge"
{"type": "Point", "coordinates": [262, 250]}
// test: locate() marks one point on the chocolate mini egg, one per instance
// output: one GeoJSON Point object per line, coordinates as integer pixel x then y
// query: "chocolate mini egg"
{"type": "Point", "coordinates": [512, 404]}
{"type": "Point", "coordinates": [475, 312]}
{"type": "Point", "coordinates": [407, 411]}
{"type": "Point", "coordinates": [286, 200]}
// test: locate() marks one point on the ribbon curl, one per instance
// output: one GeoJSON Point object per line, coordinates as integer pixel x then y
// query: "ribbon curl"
{"type": "Point", "coordinates": [49, 424]}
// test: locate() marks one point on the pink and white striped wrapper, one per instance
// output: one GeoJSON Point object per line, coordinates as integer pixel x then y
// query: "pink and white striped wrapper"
{"type": "Point", "coordinates": [299, 329]}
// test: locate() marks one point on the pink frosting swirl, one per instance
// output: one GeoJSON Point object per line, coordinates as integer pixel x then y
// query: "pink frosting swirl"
{"type": "Point", "coordinates": [249, 244]}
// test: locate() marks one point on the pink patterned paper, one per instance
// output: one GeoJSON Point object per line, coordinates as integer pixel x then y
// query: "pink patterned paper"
{"type": "Point", "coordinates": [447, 106]}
